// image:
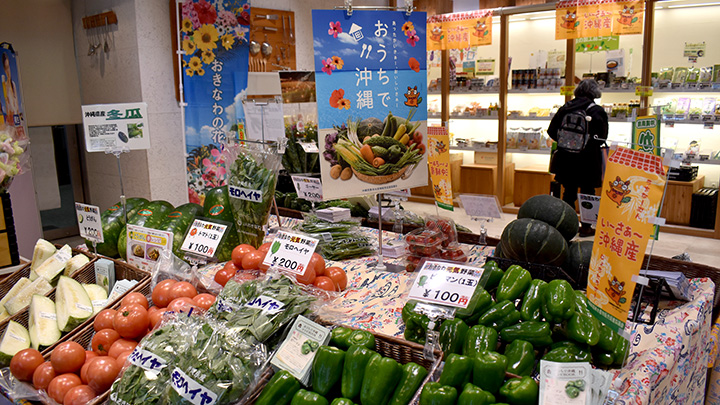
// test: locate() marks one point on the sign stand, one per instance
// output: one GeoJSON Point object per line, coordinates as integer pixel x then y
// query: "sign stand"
{"type": "Point", "coordinates": [483, 208]}
{"type": "Point", "coordinates": [398, 212]}
{"type": "Point", "coordinates": [117, 153]}
{"type": "Point", "coordinates": [380, 264]}
{"type": "Point", "coordinates": [437, 314]}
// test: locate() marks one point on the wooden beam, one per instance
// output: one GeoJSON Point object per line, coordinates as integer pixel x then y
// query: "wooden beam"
{"type": "Point", "coordinates": [648, 43]}
{"type": "Point", "coordinates": [502, 107]}
{"type": "Point", "coordinates": [569, 66]}
{"type": "Point", "coordinates": [444, 7]}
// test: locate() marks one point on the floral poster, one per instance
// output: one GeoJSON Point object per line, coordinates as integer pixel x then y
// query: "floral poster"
{"type": "Point", "coordinates": [371, 83]}
{"type": "Point", "coordinates": [11, 102]}
{"type": "Point", "coordinates": [459, 30]}
{"type": "Point", "coordinates": [213, 36]}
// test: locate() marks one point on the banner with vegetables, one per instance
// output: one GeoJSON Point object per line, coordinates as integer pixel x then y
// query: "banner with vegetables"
{"type": "Point", "coordinates": [631, 195]}
{"type": "Point", "coordinates": [459, 30]}
{"type": "Point", "coordinates": [439, 166]}
{"type": "Point", "coordinates": [591, 18]}
{"type": "Point", "coordinates": [213, 36]}
{"type": "Point", "coordinates": [371, 90]}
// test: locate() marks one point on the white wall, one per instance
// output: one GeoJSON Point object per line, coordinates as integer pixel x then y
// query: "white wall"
{"type": "Point", "coordinates": [42, 153]}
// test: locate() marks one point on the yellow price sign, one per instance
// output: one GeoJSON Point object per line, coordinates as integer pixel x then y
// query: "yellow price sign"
{"type": "Point", "coordinates": [644, 91]}
{"type": "Point", "coordinates": [567, 90]}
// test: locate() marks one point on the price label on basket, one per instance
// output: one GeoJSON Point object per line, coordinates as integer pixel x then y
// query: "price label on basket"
{"type": "Point", "coordinates": [291, 252]}
{"type": "Point", "coordinates": [308, 188]}
{"type": "Point", "coordinates": [203, 238]}
{"type": "Point", "coordinates": [89, 222]}
{"type": "Point", "coordinates": [445, 283]}
{"type": "Point", "coordinates": [645, 91]}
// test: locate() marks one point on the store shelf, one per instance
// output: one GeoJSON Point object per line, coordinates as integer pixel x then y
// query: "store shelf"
{"type": "Point", "coordinates": [473, 117]}
{"type": "Point", "coordinates": [530, 151]}
{"type": "Point", "coordinates": [685, 90]}
{"type": "Point", "coordinates": [473, 148]}
{"type": "Point", "coordinates": [690, 122]}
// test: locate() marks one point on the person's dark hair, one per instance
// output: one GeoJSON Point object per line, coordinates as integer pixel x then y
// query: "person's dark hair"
{"type": "Point", "coordinates": [588, 88]}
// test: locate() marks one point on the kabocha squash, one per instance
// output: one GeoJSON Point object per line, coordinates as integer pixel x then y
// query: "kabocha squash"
{"type": "Point", "coordinates": [535, 241]}
{"type": "Point", "coordinates": [553, 211]}
{"type": "Point", "coordinates": [369, 127]}
{"type": "Point", "coordinates": [577, 261]}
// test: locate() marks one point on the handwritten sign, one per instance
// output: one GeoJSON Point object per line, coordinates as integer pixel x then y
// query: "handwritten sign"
{"type": "Point", "coordinates": [245, 194]}
{"type": "Point", "coordinates": [203, 238]}
{"type": "Point", "coordinates": [291, 252]}
{"type": "Point", "coordinates": [89, 222]}
{"type": "Point", "coordinates": [147, 360]}
{"type": "Point", "coordinates": [589, 208]}
{"type": "Point", "coordinates": [266, 304]}
{"type": "Point", "coordinates": [308, 188]}
{"type": "Point", "coordinates": [445, 283]}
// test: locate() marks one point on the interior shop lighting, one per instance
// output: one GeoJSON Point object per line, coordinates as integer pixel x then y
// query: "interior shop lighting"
{"type": "Point", "coordinates": [694, 5]}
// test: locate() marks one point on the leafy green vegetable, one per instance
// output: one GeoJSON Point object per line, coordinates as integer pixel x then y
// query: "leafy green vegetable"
{"type": "Point", "coordinates": [338, 240]}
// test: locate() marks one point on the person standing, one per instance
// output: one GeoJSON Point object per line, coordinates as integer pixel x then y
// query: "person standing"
{"type": "Point", "coordinates": [580, 169]}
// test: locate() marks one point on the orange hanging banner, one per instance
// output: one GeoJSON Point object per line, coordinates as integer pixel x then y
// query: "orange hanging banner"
{"type": "Point", "coordinates": [435, 33]}
{"type": "Point", "coordinates": [627, 17]}
{"type": "Point", "coordinates": [596, 18]}
{"type": "Point", "coordinates": [459, 30]}
{"type": "Point", "coordinates": [566, 20]}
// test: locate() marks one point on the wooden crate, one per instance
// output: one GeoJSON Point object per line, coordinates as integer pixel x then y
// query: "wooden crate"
{"type": "Point", "coordinates": [530, 182]}
{"type": "Point", "coordinates": [678, 200]}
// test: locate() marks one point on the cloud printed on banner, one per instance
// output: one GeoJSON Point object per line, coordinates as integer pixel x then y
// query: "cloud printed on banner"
{"type": "Point", "coordinates": [345, 38]}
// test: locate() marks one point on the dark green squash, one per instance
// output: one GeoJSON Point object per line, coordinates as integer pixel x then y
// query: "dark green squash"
{"type": "Point", "coordinates": [533, 241]}
{"type": "Point", "coordinates": [369, 127]}
{"type": "Point", "coordinates": [217, 207]}
{"type": "Point", "coordinates": [577, 261]}
{"type": "Point", "coordinates": [178, 221]}
{"type": "Point", "coordinates": [553, 211]}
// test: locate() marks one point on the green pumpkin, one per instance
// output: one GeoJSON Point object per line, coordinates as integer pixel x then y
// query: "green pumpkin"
{"type": "Point", "coordinates": [577, 261]}
{"type": "Point", "coordinates": [533, 241]}
{"type": "Point", "coordinates": [369, 127]}
{"type": "Point", "coordinates": [553, 211]}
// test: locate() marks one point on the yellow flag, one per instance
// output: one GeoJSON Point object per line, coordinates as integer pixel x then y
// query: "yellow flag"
{"type": "Point", "coordinates": [439, 166]}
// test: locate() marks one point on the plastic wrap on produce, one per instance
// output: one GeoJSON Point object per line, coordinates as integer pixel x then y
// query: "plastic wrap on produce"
{"type": "Point", "coordinates": [338, 240]}
{"type": "Point", "coordinates": [16, 390]}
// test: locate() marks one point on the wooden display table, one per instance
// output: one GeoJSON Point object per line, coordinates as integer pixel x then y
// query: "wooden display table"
{"type": "Point", "coordinates": [480, 179]}
{"type": "Point", "coordinates": [678, 200]}
{"type": "Point", "coordinates": [530, 181]}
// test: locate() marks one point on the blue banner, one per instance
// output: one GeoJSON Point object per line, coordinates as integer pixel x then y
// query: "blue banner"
{"type": "Point", "coordinates": [11, 103]}
{"type": "Point", "coordinates": [370, 73]}
{"type": "Point", "coordinates": [214, 36]}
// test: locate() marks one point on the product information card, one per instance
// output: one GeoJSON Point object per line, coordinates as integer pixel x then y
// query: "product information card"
{"type": "Point", "coordinates": [297, 351]}
{"type": "Point", "coordinates": [445, 283]}
{"type": "Point", "coordinates": [114, 127]}
{"type": "Point", "coordinates": [144, 246]}
{"type": "Point", "coordinates": [565, 383]}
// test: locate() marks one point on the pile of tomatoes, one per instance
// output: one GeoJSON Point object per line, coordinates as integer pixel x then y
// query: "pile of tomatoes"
{"type": "Point", "coordinates": [246, 259]}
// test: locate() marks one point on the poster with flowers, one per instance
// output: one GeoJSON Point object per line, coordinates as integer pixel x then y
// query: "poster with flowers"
{"type": "Point", "coordinates": [213, 36]}
{"type": "Point", "coordinates": [371, 85]}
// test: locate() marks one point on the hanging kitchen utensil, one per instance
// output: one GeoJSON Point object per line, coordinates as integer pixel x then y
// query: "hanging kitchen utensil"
{"type": "Point", "coordinates": [91, 48]}
{"type": "Point", "coordinates": [269, 17]}
{"type": "Point", "coordinates": [254, 48]}
{"type": "Point", "coordinates": [106, 48]}
{"type": "Point", "coordinates": [266, 47]}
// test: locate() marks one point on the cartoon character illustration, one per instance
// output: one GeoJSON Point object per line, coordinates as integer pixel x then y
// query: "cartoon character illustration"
{"type": "Point", "coordinates": [627, 16]}
{"type": "Point", "coordinates": [480, 29]}
{"type": "Point", "coordinates": [615, 291]}
{"type": "Point", "coordinates": [437, 33]}
{"type": "Point", "coordinates": [522, 142]}
{"type": "Point", "coordinates": [440, 147]}
{"type": "Point", "coordinates": [570, 20]}
{"type": "Point", "coordinates": [534, 143]}
{"type": "Point", "coordinates": [438, 190]}
{"type": "Point", "coordinates": [619, 190]}
{"type": "Point", "coordinates": [413, 97]}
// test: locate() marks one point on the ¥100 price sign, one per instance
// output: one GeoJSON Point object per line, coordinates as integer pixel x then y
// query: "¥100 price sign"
{"type": "Point", "coordinates": [88, 217]}
{"type": "Point", "coordinates": [308, 188]}
{"type": "Point", "coordinates": [445, 283]}
{"type": "Point", "coordinates": [203, 238]}
{"type": "Point", "coordinates": [290, 252]}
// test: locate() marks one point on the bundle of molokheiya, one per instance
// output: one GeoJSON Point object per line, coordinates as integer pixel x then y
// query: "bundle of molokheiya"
{"type": "Point", "coordinates": [340, 240]}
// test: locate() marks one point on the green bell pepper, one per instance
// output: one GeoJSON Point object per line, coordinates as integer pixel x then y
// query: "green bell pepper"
{"type": "Point", "coordinates": [492, 274]}
{"type": "Point", "coordinates": [567, 352]}
{"type": "Point", "coordinates": [339, 337]}
{"type": "Point", "coordinates": [303, 397]}
{"type": "Point", "coordinates": [584, 329]}
{"type": "Point", "coordinates": [537, 333]}
{"type": "Point", "coordinates": [581, 303]}
{"type": "Point", "coordinates": [514, 283]}
{"type": "Point", "coordinates": [572, 391]}
{"type": "Point", "coordinates": [608, 339]}
{"type": "Point", "coordinates": [619, 352]}
{"type": "Point", "coordinates": [489, 370]}
{"type": "Point", "coordinates": [327, 368]}
{"type": "Point", "coordinates": [416, 324]}
{"type": "Point", "coordinates": [512, 318]}
{"type": "Point", "coordinates": [452, 336]}
{"type": "Point", "coordinates": [341, 401]}
{"type": "Point", "coordinates": [601, 358]}
{"type": "Point", "coordinates": [480, 301]}
{"type": "Point", "coordinates": [457, 370]}
{"type": "Point", "coordinates": [434, 393]}
{"type": "Point", "coordinates": [530, 309]}
{"type": "Point", "coordinates": [382, 374]}
{"type": "Point", "coordinates": [496, 313]}
{"type": "Point", "coordinates": [279, 390]}
{"type": "Point", "coordinates": [473, 395]}
{"type": "Point", "coordinates": [520, 391]}
{"type": "Point", "coordinates": [520, 356]}
{"type": "Point", "coordinates": [480, 338]}
{"type": "Point", "coordinates": [412, 378]}
{"type": "Point", "coordinates": [353, 370]}
{"type": "Point", "coordinates": [362, 338]}
{"type": "Point", "coordinates": [558, 301]}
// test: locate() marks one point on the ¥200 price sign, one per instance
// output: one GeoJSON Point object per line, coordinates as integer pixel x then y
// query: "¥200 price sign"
{"type": "Point", "coordinates": [203, 238]}
{"type": "Point", "coordinates": [290, 252]}
{"type": "Point", "coordinates": [89, 222]}
{"type": "Point", "coordinates": [308, 188]}
{"type": "Point", "coordinates": [445, 283]}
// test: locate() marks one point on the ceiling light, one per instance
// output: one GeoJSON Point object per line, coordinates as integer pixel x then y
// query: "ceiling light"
{"type": "Point", "coordinates": [694, 5]}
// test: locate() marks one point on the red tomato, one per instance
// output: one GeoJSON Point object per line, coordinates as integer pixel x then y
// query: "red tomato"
{"type": "Point", "coordinates": [80, 395]}
{"type": "Point", "coordinates": [104, 319]}
{"type": "Point", "coordinates": [152, 309]}
{"type": "Point", "coordinates": [161, 293]}
{"type": "Point", "coordinates": [89, 354]}
{"type": "Point", "coordinates": [24, 363]}
{"type": "Point", "coordinates": [338, 276]}
{"type": "Point", "coordinates": [182, 304]}
{"type": "Point", "coordinates": [325, 283]}
{"type": "Point", "coordinates": [182, 289]}
{"type": "Point", "coordinates": [265, 247]}
{"type": "Point", "coordinates": [131, 321]}
{"type": "Point", "coordinates": [239, 252]}
{"type": "Point", "coordinates": [204, 301]}
{"type": "Point", "coordinates": [155, 317]}
{"type": "Point", "coordinates": [135, 298]}
{"type": "Point", "coordinates": [83, 370]}
{"type": "Point", "coordinates": [60, 385]}
{"type": "Point", "coordinates": [101, 373]}
{"type": "Point", "coordinates": [308, 277]}
{"type": "Point", "coordinates": [43, 375]}
{"type": "Point", "coordinates": [226, 273]}
{"type": "Point", "coordinates": [67, 357]}
{"type": "Point", "coordinates": [318, 263]}
{"type": "Point", "coordinates": [122, 357]}
{"type": "Point", "coordinates": [102, 341]}
{"type": "Point", "coordinates": [252, 260]}
{"type": "Point", "coordinates": [121, 346]}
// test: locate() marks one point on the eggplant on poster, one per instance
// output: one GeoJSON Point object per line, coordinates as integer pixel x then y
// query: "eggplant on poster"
{"type": "Point", "coordinates": [213, 35]}
{"type": "Point", "coordinates": [371, 84]}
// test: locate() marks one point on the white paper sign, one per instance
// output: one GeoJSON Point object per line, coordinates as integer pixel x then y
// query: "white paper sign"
{"type": "Point", "coordinates": [203, 238]}
{"type": "Point", "coordinates": [115, 126]}
{"type": "Point", "coordinates": [290, 252]}
{"type": "Point", "coordinates": [310, 147]}
{"type": "Point", "coordinates": [147, 360]}
{"type": "Point", "coordinates": [483, 206]}
{"type": "Point", "coordinates": [267, 304]}
{"type": "Point", "coordinates": [190, 389]}
{"type": "Point", "coordinates": [291, 357]}
{"type": "Point", "coordinates": [89, 222]}
{"type": "Point", "coordinates": [264, 118]}
{"type": "Point", "coordinates": [445, 284]}
{"type": "Point", "coordinates": [144, 246]}
{"type": "Point", "coordinates": [565, 383]}
{"type": "Point", "coordinates": [308, 188]}
{"type": "Point", "coordinates": [589, 208]}
{"type": "Point", "coordinates": [245, 194]}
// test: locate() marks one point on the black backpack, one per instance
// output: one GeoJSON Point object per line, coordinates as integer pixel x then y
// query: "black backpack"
{"type": "Point", "coordinates": [574, 132]}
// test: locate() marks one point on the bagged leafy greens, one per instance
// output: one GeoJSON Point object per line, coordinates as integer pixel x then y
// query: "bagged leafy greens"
{"type": "Point", "coordinates": [338, 240]}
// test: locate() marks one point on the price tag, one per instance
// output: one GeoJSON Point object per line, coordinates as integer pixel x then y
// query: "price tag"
{"type": "Point", "coordinates": [589, 208]}
{"type": "Point", "coordinates": [708, 125]}
{"type": "Point", "coordinates": [483, 206]}
{"type": "Point", "coordinates": [291, 252]}
{"type": "Point", "coordinates": [144, 246]}
{"type": "Point", "coordinates": [669, 124]}
{"type": "Point", "coordinates": [190, 389]}
{"type": "Point", "coordinates": [445, 283]}
{"type": "Point", "coordinates": [147, 360]}
{"type": "Point", "coordinates": [310, 147]}
{"type": "Point", "coordinates": [567, 90]}
{"type": "Point", "coordinates": [89, 222]}
{"type": "Point", "coordinates": [308, 188]}
{"type": "Point", "coordinates": [203, 238]}
{"type": "Point", "coordinates": [645, 91]}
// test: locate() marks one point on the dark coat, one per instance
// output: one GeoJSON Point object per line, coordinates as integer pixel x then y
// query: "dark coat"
{"type": "Point", "coordinates": [584, 168]}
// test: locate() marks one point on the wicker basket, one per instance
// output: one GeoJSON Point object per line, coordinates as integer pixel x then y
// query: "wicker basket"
{"type": "Point", "coordinates": [398, 349]}
{"type": "Point", "coordinates": [689, 269]}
